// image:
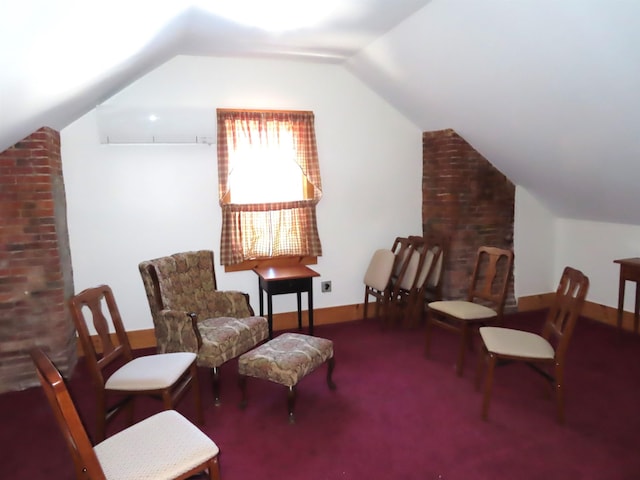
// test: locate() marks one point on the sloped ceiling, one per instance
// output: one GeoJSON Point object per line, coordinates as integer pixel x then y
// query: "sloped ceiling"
{"type": "Point", "coordinates": [548, 91]}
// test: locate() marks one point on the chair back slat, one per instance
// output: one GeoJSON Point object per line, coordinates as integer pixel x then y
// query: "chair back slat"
{"type": "Point", "coordinates": [431, 286]}
{"type": "Point", "coordinates": [75, 435]}
{"type": "Point", "coordinates": [565, 310]}
{"type": "Point", "coordinates": [405, 267]}
{"type": "Point", "coordinates": [100, 303]}
{"type": "Point", "coordinates": [491, 275]}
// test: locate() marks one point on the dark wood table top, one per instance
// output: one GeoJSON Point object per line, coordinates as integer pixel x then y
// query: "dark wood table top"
{"type": "Point", "coordinates": [629, 261]}
{"type": "Point", "coordinates": [286, 272]}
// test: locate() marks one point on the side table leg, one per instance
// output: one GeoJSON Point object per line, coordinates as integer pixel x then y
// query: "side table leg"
{"type": "Point", "coordinates": [620, 301]}
{"type": "Point", "coordinates": [636, 311]}
{"type": "Point", "coordinates": [270, 315]}
{"type": "Point", "coordinates": [299, 298]}
{"type": "Point", "coordinates": [310, 301]}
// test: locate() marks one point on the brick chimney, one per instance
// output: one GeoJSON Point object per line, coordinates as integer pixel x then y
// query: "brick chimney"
{"type": "Point", "coordinates": [36, 276]}
{"type": "Point", "coordinates": [465, 196]}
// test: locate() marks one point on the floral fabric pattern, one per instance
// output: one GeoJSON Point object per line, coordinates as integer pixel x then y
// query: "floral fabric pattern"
{"type": "Point", "coordinates": [225, 338]}
{"type": "Point", "coordinates": [185, 283]}
{"type": "Point", "coordinates": [286, 359]}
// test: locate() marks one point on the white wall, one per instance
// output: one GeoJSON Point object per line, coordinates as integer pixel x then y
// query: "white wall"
{"type": "Point", "coordinates": [129, 203]}
{"type": "Point", "coordinates": [136, 202]}
{"type": "Point", "coordinates": [592, 247]}
{"type": "Point", "coordinates": [534, 233]}
{"type": "Point", "coordinates": [545, 244]}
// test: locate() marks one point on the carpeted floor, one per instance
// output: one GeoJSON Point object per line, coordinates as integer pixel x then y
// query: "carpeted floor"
{"type": "Point", "coordinates": [395, 414]}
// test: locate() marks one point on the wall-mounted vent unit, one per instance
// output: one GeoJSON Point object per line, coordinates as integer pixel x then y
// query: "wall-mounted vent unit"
{"type": "Point", "coordinates": [141, 125]}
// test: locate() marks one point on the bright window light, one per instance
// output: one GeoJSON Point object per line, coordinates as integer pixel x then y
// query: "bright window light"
{"type": "Point", "coordinates": [260, 174]}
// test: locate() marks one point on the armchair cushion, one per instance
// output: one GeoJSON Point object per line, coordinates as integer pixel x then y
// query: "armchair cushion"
{"type": "Point", "coordinates": [225, 338]}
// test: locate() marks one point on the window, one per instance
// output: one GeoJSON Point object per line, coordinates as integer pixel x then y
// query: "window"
{"type": "Point", "coordinates": [268, 184]}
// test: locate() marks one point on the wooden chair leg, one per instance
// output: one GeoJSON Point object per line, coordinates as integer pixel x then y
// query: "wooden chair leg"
{"type": "Point", "coordinates": [482, 358]}
{"type": "Point", "coordinates": [427, 336]}
{"type": "Point", "coordinates": [559, 387]}
{"type": "Point", "coordinates": [215, 381]}
{"type": "Point", "coordinates": [167, 400]}
{"type": "Point", "coordinates": [488, 385]}
{"type": "Point", "coordinates": [214, 469]}
{"type": "Point", "coordinates": [130, 402]}
{"type": "Point", "coordinates": [101, 424]}
{"type": "Point", "coordinates": [464, 343]}
{"type": "Point", "coordinates": [195, 387]}
{"type": "Point", "coordinates": [366, 304]}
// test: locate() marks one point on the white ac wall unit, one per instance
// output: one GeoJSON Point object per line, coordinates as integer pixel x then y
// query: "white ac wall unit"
{"type": "Point", "coordinates": [142, 125]}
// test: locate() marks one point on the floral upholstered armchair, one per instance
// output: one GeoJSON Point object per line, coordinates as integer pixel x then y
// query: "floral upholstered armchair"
{"type": "Point", "coordinates": [191, 315]}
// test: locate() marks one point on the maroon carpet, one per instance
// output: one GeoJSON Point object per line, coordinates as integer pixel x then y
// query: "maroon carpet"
{"type": "Point", "coordinates": [395, 414]}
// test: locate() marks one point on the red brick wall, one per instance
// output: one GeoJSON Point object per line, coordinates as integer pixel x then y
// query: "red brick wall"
{"type": "Point", "coordinates": [465, 196]}
{"type": "Point", "coordinates": [35, 267]}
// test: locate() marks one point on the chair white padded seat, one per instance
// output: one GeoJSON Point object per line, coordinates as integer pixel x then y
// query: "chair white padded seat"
{"type": "Point", "coordinates": [163, 446]}
{"type": "Point", "coordinates": [510, 342]}
{"type": "Point", "coordinates": [151, 372]}
{"type": "Point", "coordinates": [463, 310]}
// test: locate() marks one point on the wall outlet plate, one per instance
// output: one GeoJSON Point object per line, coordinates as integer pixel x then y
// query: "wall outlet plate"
{"type": "Point", "coordinates": [325, 286]}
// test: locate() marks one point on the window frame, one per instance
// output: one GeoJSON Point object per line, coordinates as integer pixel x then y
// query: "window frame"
{"type": "Point", "coordinates": [307, 160]}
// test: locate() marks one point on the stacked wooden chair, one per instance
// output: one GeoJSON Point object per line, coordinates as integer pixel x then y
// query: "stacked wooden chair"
{"type": "Point", "coordinates": [409, 296]}
{"type": "Point", "coordinates": [400, 278]}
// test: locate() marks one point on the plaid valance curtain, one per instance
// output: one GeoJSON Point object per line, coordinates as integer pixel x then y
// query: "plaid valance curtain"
{"type": "Point", "coordinates": [265, 230]}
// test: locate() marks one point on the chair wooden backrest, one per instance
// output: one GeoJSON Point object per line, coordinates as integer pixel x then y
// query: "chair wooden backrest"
{"type": "Point", "coordinates": [430, 268]}
{"type": "Point", "coordinates": [405, 267]}
{"type": "Point", "coordinates": [565, 310]}
{"type": "Point", "coordinates": [438, 244]}
{"type": "Point", "coordinates": [74, 433]}
{"type": "Point", "coordinates": [100, 303]}
{"type": "Point", "coordinates": [491, 275]}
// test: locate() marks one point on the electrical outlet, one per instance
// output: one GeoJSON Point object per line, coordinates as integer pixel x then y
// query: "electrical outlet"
{"type": "Point", "coordinates": [326, 286]}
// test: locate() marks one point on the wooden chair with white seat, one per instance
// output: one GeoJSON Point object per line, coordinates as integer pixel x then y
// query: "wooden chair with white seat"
{"type": "Point", "coordinates": [165, 446]}
{"type": "Point", "coordinates": [484, 303]}
{"type": "Point", "coordinates": [118, 377]}
{"type": "Point", "coordinates": [545, 353]}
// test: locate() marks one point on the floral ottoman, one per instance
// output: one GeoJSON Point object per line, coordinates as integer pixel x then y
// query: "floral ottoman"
{"type": "Point", "coordinates": [286, 360]}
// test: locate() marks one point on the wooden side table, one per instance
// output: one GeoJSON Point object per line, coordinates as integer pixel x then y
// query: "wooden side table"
{"type": "Point", "coordinates": [629, 271]}
{"type": "Point", "coordinates": [278, 280]}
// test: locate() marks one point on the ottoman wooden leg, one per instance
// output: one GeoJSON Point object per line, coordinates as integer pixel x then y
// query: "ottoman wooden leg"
{"type": "Point", "coordinates": [242, 382]}
{"type": "Point", "coordinates": [215, 381]}
{"type": "Point", "coordinates": [330, 364]}
{"type": "Point", "coordinates": [291, 403]}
